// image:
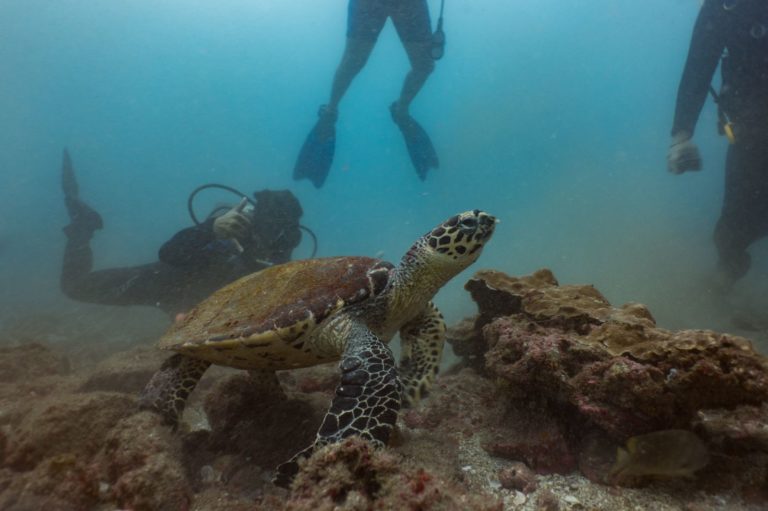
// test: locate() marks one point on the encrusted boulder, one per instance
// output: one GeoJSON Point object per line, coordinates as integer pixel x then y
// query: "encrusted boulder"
{"type": "Point", "coordinates": [744, 428]}
{"type": "Point", "coordinates": [65, 424]}
{"type": "Point", "coordinates": [29, 361]}
{"type": "Point", "coordinates": [534, 437]}
{"type": "Point", "coordinates": [127, 371]}
{"type": "Point", "coordinates": [353, 475]}
{"type": "Point", "coordinates": [611, 366]}
{"type": "Point", "coordinates": [260, 422]}
{"type": "Point", "coordinates": [140, 466]}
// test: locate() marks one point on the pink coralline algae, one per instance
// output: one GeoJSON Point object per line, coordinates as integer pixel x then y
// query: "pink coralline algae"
{"type": "Point", "coordinates": [610, 366]}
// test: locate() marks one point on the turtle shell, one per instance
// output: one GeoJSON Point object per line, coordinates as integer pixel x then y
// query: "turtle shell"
{"type": "Point", "coordinates": [266, 316]}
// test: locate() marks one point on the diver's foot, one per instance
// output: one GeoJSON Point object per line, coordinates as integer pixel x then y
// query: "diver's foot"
{"type": "Point", "coordinates": [84, 220]}
{"type": "Point", "coordinates": [420, 147]}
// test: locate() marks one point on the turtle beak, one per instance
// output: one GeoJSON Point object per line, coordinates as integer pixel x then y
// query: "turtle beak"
{"type": "Point", "coordinates": [485, 224]}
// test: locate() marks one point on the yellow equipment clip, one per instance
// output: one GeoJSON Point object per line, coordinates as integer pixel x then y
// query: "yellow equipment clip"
{"type": "Point", "coordinates": [728, 130]}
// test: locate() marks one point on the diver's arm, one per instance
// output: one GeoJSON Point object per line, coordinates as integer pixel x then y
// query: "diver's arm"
{"type": "Point", "coordinates": [707, 44]}
{"type": "Point", "coordinates": [189, 247]}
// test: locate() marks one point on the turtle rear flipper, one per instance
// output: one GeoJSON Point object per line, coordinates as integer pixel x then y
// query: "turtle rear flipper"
{"type": "Point", "coordinates": [366, 402]}
{"type": "Point", "coordinates": [169, 388]}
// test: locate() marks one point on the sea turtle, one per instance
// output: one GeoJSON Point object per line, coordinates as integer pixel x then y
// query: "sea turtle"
{"type": "Point", "coordinates": [309, 312]}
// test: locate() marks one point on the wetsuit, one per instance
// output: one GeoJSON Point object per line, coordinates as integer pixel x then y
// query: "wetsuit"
{"type": "Point", "coordinates": [737, 32]}
{"type": "Point", "coordinates": [365, 19]}
{"type": "Point", "coordinates": [192, 265]}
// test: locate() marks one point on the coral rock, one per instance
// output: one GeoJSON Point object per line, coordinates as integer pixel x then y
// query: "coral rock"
{"type": "Point", "coordinates": [613, 366]}
{"type": "Point", "coordinates": [126, 372]}
{"type": "Point", "coordinates": [267, 427]}
{"type": "Point", "coordinates": [30, 361]}
{"type": "Point", "coordinates": [61, 483]}
{"type": "Point", "coordinates": [353, 475]}
{"type": "Point", "coordinates": [535, 438]}
{"type": "Point", "coordinates": [745, 427]}
{"type": "Point", "coordinates": [141, 464]}
{"type": "Point", "coordinates": [65, 424]}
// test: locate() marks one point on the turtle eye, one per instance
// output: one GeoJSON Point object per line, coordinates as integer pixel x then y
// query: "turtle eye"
{"type": "Point", "coordinates": [468, 223]}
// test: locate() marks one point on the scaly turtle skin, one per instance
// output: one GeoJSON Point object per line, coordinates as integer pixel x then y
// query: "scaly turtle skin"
{"type": "Point", "coordinates": [309, 312]}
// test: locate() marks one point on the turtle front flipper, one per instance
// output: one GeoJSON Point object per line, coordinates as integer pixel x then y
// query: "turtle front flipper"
{"type": "Point", "coordinates": [169, 388]}
{"type": "Point", "coordinates": [366, 402]}
{"type": "Point", "coordinates": [421, 346]}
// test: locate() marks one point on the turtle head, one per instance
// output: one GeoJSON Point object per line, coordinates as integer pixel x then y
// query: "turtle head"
{"type": "Point", "coordinates": [440, 255]}
{"type": "Point", "coordinates": [457, 242]}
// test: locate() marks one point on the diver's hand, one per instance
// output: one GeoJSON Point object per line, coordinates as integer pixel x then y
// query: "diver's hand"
{"type": "Point", "coordinates": [233, 224]}
{"type": "Point", "coordinates": [683, 154]}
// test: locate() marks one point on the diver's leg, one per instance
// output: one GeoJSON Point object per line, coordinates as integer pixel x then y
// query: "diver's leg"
{"type": "Point", "coordinates": [365, 19]}
{"type": "Point", "coordinates": [146, 284]}
{"type": "Point", "coordinates": [412, 22]}
{"type": "Point", "coordinates": [76, 265]}
{"type": "Point", "coordinates": [83, 222]}
{"type": "Point", "coordinates": [745, 209]}
{"type": "Point", "coordinates": [168, 390]}
{"type": "Point", "coordinates": [366, 402]}
{"type": "Point", "coordinates": [421, 343]}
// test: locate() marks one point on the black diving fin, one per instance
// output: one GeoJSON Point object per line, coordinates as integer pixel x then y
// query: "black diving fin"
{"type": "Point", "coordinates": [420, 148]}
{"type": "Point", "coordinates": [316, 155]}
{"type": "Point", "coordinates": [68, 181]}
{"type": "Point", "coordinates": [84, 219]}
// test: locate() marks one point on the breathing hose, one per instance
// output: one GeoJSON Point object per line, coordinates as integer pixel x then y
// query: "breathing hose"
{"type": "Point", "coordinates": [191, 208]}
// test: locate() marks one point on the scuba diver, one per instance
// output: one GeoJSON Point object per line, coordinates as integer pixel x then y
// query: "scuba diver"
{"type": "Point", "coordinates": [735, 34]}
{"type": "Point", "coordinates": [194, 263]}
{"type": "Point", "coordinates": [365, 20]}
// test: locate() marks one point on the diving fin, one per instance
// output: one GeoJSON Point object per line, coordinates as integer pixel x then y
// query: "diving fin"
{"type": "Point", "coordinates": [420, 148]}
{"type": "Point", "coordinates": [68, 181]}
{"type": "Point", "coordinates": [316, 155]}
{"type": "Point", "coordinates": [84, 219]}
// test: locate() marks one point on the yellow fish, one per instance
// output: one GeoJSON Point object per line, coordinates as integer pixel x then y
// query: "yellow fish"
{"type": "Point", "coordinates": [665, 453]}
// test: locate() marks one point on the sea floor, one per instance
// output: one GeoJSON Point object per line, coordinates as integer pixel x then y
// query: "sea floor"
{"type": "Point", "coordinates": [72, 437]}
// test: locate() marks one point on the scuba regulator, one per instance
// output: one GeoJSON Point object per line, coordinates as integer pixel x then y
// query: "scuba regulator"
{"type": "Point", "coordinates": [242, 196]}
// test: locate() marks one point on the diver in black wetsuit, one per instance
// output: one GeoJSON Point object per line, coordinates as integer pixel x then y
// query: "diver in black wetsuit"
{"type": "Point", "coordinates": [194, 263]}
{"type": "Point", "coordinates": [735, 33]}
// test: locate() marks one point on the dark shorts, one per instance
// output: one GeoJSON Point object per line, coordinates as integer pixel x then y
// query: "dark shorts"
{"type": "Point", "coordinates": [366, 18]}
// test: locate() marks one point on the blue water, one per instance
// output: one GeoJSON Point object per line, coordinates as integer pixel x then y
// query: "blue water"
{"type": "Point", "coordinates": [553, 115]}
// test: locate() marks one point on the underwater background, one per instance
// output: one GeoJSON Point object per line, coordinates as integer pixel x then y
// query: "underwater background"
{"type": "Point", "coordinates": [552, 115]}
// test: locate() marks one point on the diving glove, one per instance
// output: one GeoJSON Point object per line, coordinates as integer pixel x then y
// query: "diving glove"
{"type": "Point", "coordinates": [233, 224]}
{"type": "Point", "coordinates": [683, 154]}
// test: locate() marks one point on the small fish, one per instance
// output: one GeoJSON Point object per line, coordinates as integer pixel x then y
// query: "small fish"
{"type": "Point", "coordinates": [665, 453]}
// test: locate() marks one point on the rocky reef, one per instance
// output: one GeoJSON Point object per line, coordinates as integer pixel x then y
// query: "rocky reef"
{"type": "Point", "coordinates": [613, 367]}
{"type": "Point", "coordinates": [605, 374]}
{"type": "Point", "coordinates": [550, 381]}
